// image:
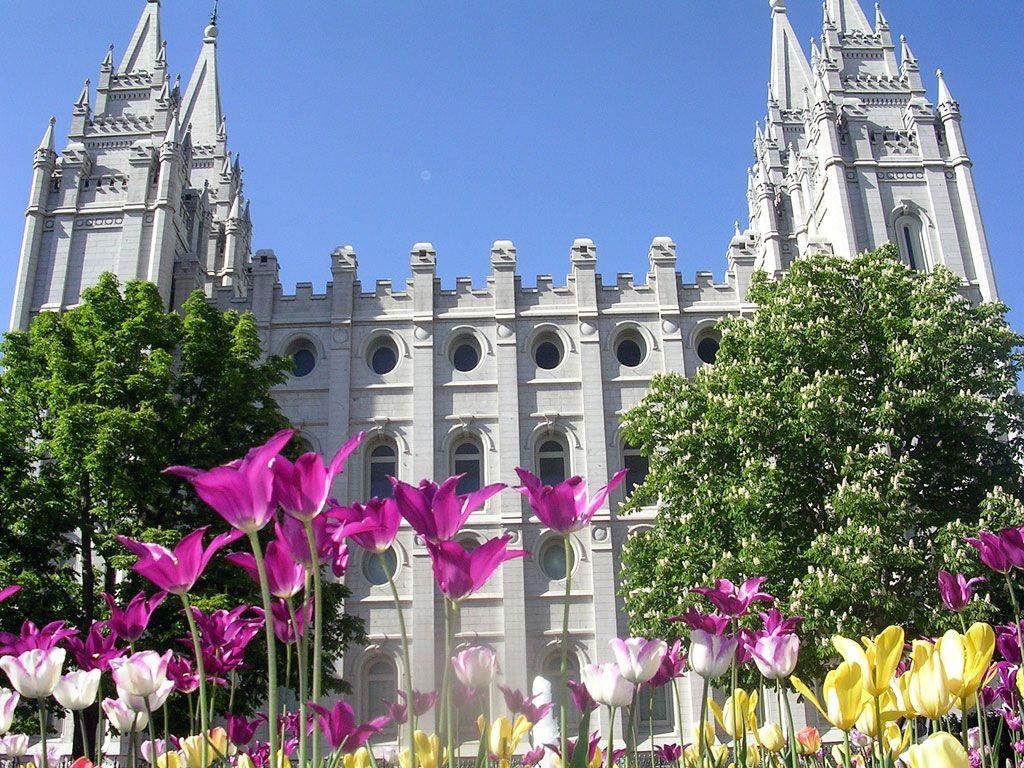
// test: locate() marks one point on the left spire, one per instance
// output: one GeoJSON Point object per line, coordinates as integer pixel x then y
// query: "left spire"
{"type": "Point", "coordinates": [143, 53]}
{"type": "Point", "coordinates": [201, 103]}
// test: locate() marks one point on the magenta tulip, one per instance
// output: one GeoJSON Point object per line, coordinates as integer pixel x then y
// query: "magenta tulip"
{"type": "Point", "coordinates": [241, 492]}
{"type": "Point", "coordinates": [992, 551]}
{"type": "Point", "coordinates": [1013, 543]}
{"type": "Point", "coordinates": [381, 520]}
{"type": "Point", "coordinates": [8, 592]}
{"type": "Point", "coordinates": [240, 729]}
{"type": "Point", "coordinates": [735, 600]}
{"type": "Point", "coordinates": [581, 697]}
{"type": "Point", "coordinates": [292, 534]}
{"type": "Point", "coordinates": [519, 703]}
{"type": "Point", "coordinates": [285, 577]}
{"type": "Point", "coordinates": [638, 658]}
{"type": "Point", "coordinates": [181, 673]}
{"type": "Point", "coordinates": [669, 753]}
{"type": "Point", "coordinates": [302, 488]}
{"type": "Point", "coordinates": [284, 630]}
{"type": "Point", "coordinates": [435, 511]}
{"type": "Point", "coordinates": [32, 637]}
{"type": "Point", "coordinates": [97, 650]}
{"type": "Point", "coordinates": [564, 508]}
{"type": "Point", "coordinates": [339, 727]}
{"type": "Point", "coordinates": [673, 666]}
{"type": "Point", "coordinates": [130, 623]}
{"type": "Point", "coordinates": [176, 572]}
{"type": "Point", "coordinates": [225, 635]}
{"type": "Point", "coordinates": [398, 711]}
{"type": "Point", "coordinates": [957, 591]}
{"type": "Point", "coordinates": [775, 655]}
{"type": "Point", "coordinates": [459, 573]}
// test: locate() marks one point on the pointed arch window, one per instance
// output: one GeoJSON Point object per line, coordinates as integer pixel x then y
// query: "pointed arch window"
{"type": "Point", "coordinates": [636, 465]}
{"type": "Point", "coordinates": [382, 465]}
{"type": "Point", "coordinates": [468, 460]}
{"type": "Point", "coordinates": [551, 668]}
{"type": "Point", "coordinates": [553, 460]}
{"type": "Point", "coordinates": [910, 239]}
{"type": "Point", "coordinates": [380, 685]}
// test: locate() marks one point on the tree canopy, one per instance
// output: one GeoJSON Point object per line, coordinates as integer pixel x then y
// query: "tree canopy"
{"type": "Point", "coordinates": [845, 439]}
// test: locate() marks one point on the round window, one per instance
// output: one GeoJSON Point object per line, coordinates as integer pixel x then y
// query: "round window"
{"type": "Point", "coordinates": [374, 568]}
{"type": "Point", "coordinates": [630, 350]}
{"type": "Point", "coordinates": [547, 352]}
{"type": "Point", "coordinates": [383, 356]}
{"type": "Point", "coordinates": [707, 349]}
{"type": "Point", "coordinates": [303, 361]}
{"type": "Point", "coordinates": [466, 354]}
{"type": "Point", "coordinates": [552, 559]}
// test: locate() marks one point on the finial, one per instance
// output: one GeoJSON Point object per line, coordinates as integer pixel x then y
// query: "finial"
{"type": "Point", "coordinates": [906, 55]}
{"type": "Point", "coordinates": [777, 6]}
{"type": "Point", "coordinates": [53, 119]}
{"type": "Point", "coordinates": [213, 15]}
{"type": "Point", "coordinates": [880, 20]}
{"type": "Point", "coordinates": [736, 227]}
{"type": "Point", "coordinates": [108, 60]}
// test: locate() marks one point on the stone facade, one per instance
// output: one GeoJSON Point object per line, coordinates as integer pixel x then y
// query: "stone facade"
{"type": "Point", "coordinates": [489, 377]}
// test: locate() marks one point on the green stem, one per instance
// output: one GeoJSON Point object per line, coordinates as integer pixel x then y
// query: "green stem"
{"type": "Point", "coordinates": [632, 758]}
{"type": "Point", "coordinates": [846, 752]}
{"type": "Point", "coordinates": [701, 740]}
{"type": "Point", "coordinates": [1016, 612]}
{"type": "Point", "coordinates": [42, 732]}
{"type": "Point", "coordinates": [611, 742]}
{"type": "Point", "coordinates": [563, 670]}
{"type": "Point", "coordinates": [794, 758]}
{"type": "Point", "coordinates": [449, 724]}
{"type": "Point", "coordinates": [204, 723]}
{"type": "Point", "coordinates": [81, 732]}
{"type": "Point", "coordinates": [318, 627]}
{"type": "Point", "coordinates": [268, 626]}
{"type": "Point", "coordinates": [406, 661]}
{"type": "Point", "coordinates": [679, 718]}
{"type": "Point", "coordinates": [302, 688]}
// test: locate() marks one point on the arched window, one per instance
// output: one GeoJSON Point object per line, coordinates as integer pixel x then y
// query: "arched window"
{"type": "Point", "coordinates": [468, 460]}
{"type": "Point", "coordinates": [551, 668]}
{"type": "Point", "coordinates": [380, 685]}
{"type": "Point", "coordinates": [382, 464]}
{"type": "Point", "coordinates": [911, 242]}
{"type": "Point", "coordinates": [552, 460]}
{"type": "Point", "coordinates": [636, 466]}
{"type": "Point", "coordinates": [654, 706]}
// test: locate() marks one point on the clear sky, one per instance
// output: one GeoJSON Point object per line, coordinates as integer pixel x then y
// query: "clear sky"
{"type": "Point", "coordinates": [381, 124]}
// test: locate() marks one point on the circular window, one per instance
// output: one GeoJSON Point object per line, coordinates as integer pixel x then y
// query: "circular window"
{"type": "Point", "coordinates": [383, 355]}
{"type": "Point", "coordinates": [465, 354]}
{"type": "Point", "coordinates": [374, 569]}
{"type": "Point", "coordinates": [547, 352]}
{"type": "Point", "coordinates": [303, 362]}
{"type": "Point", "coordinates": [630, 349]}
{"type": "Point", "coordinates": [552, 559]}
{"type": "Point", "coordinates": [707, 349]}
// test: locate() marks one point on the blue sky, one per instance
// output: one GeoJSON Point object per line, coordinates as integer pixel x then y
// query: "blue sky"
{"type": "Point", "coordinates": [383, 124]}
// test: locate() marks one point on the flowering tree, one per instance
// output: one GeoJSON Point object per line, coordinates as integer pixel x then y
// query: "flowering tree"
{"type": "Point", "coordinates": [840, 436]}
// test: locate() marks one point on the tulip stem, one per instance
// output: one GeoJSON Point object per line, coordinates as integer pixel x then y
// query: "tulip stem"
{"type": "Point", "coordinates": [701, 740]}
{"type": "Point", "coordinates": [42, 732]}
{"type": "Point", "coordinates": [679, 717]}
{"type": "Point", "coordinates": [302, 690]}
{"type": "Point", "coordinates": [81, 732]}
{"type": "Point", "coordinates": [449, 725]}
{"type": "Point", "coordinates": [318, 628]}
{"type": "Point", "coordinates": [268, 627]}
{"type": "Point", "coordinates": [1016, 613]}
{"type": "Point", "coordinates": [406, 662]}
{"type": "Point", "coordinates": [846, 752]}
{"type": "Point", "coordinates": [793, 757]}
{"type": "Point", "coordinates": [563, 670]}
{"type": "Point", "coordinates": [632, 758]}
{"type": "Point", "coordinates": [201, 673]}
{"type": "Point", "coordinates": [611, 743]}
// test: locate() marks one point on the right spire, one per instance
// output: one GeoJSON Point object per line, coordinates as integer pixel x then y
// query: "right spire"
{"type": "Point", "coordinates": [791, 73]}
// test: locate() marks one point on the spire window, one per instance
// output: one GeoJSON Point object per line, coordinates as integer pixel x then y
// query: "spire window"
{"type": "Point", "coordinates": [911, 242]}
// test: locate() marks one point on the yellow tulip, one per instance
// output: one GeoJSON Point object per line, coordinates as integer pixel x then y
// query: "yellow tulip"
{"type": "Point", "coordinates": [192, 748]}
{"type": "Point", "coordinates": [966, 660]}
{"type": "Point", "coordinates": [358, 759]}
{"type": "Point", "coordinates": [169, 760]}
{"type": "Point", "coordinates": [867, 723]}
{"type": "Point", "coordinates": [428, 751]}
{"type": "Point", "coordinates": [244, 761]}
{"type": "Point", "coordinates": [738, 715]}
{"type": "Point", "coordinates": [929, 686]}
{"type": "Point", "coordinates": [1020, 681]}
{"type": "Point", "coordinates": [504, 737]}
{"type": "Point", "coordinates": [898, 740]}
{"type": "Point", "coordinates": [844, 694]}
{"type": "Point", "coordinates": [770, 737]}
{"type": "Point", "coordinates": [940, 750]}
{"type": "Point", "coordinates": [877, 658]}
{"type": "Point", "coordinates": [710, 737]}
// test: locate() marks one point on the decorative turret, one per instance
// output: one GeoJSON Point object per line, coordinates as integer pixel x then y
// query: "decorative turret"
{"type": "Point", "coordinates": [945, 97]}
{"type": "Point", "coordinates": [880, 20]}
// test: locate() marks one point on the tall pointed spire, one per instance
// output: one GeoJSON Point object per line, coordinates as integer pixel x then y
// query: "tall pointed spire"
{"type": "Point", "coordinates": [107, 65]}
{"type": "Point", "coordinates": [46, 145]}
{"type": "Point", "coordinates": [849, 16]}
{"type": "Point", "coordinates": [82, 104]}
{"type": "Point", "coordinates": [201, 104]}
{"type": "Point", "coordinates": [945, 97]}
{"type": "Point", "coordinates": [790, 71]}
{"type": "Point", "coordinates": [143, 51]}
{"type": "Point", "coordinates": [907, 58]}
{"type": "Point", "coordinates": [880, 20]}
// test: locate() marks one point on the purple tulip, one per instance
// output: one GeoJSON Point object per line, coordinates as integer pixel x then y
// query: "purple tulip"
{"type": "Point", "coordinates": [711, 623]}
{"type": "Point", "coordinates": [302, 488]}
{"type": "Point", "coordinates": [735, 600]}
{"type": "Point", "coordinates": [669, 753]}
{"type": "Point", "coordinates": [241, 730]}
{"type": "Point", "coordinates": [1013, 542]}
{"type": "Point", "coordinates": [435, 511]}
{"type": "Point", "coordinates": [292, 534]}
{"type": "Point", "coordinates": [241, 492]}
{"type": "Point", "coordinates": [580, 696]}
{"type": "Point", "coordinates": [176, 572]}
{"type": "Point", "coordinates": [638, 658]}
{"type": "Point", "coordinates": [130, 623]}
{"type": "Point", "coordinates": [381, 519]}
{"type": "Point", "coordinates": [283, 629]}
{"type": "Point", "coordinates": [775, 624]}
{"type": "Point", "coordinates": [225, 635]}
{"type": "Point", "coordinates": [710, 654]}
{"type": "Point", "coordinates": [339, 562]}
{"type": "Point", "coordinates": [422, 703]}
{"type": "Point", "coordinates": [7, 592]}
{"type": "Point", "coordinates": [285, 577]}
{"type": "Point", "coordinates": [957, 591]}
{"type": "Point", "coordinates": [776, 655]}
{"type": "Point", "coordinates": [181, 673]}
{"type": "Point", "coordinates": [517, 702]}
{"type": "Point", "coordinates": [1008, 641]}
{"type": "Point", "coordinates": [459, 573]}
{"type": "Point", "coordinates": [993, 551]}
{"type": "Point", "coordinates": [339, 727]}
{"type": "Point", "coordinates": [534, 756]}
{"type": "Point", "coordinates": [673, 666]}
{"type": "Point", "coordinates": [33, 637]}
{"type": "Point", "coordinates": [564, 508]}
{"type": "Point", "coordinates": [97, 650]}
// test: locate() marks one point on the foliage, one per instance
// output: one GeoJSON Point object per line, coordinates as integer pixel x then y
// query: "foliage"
{"type": "Point", "coordinates": [94, 403]}
{"type": "Point", "coordinates": [842, 444]}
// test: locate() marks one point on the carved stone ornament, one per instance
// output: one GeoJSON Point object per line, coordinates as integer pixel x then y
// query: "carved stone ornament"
{"type": "Point", "coordinates": [669, 326]}
{"type": "Point", "coordinates": [599, 532]}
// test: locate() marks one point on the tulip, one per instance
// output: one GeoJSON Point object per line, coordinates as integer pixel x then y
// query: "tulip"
{"type": "Point", "coordinates": [1013, 542]}
{"type": "Point", "coordinates": [428, 752]}
{"type": "Point", "coordinates": [382, 518]}
{"type": "Point", "coordinates": [8, 592]}
{"type": "Point", "coordinates": [735, 600]}
{"type": "Point", "coordinates": [503, 737]}
{"type": "Point", "coordinates": [35, 754]}
{"type": "Point", "coordinates": [776, 655]}
{"type": "Point", "coordinates": [897, 740]}
{"type": "Point", "coordinates": [459, 573]}
{"type": "Point", "coordinates": [929, 685]}
{"type": "Point", "coordinates": [339, 726]}
{"type": "Point", "coordinates": [518, 703]}
{"type": "Point", "coordinates": [34, 674]}
{"type": "Point", "coordinates": [285, 577]}
{"type": "Point", "coordinates": [711, 654]}
{"type": "Point", "coordinates": [889, 708]}
{"type": "Point", "coordinates": [809, 740]}
{"type": "Point", "coordinates": [673, 666]}
{"type": "Point", "coordinates": [435, 511]}
{"type": "Point", "coordinates": [241, 492]}
{"type": "Point", "coordinates": [77, 690]}
{"type": "Point", "coordinates": [152, 750]}
{"type": "Point", "coordinates": [534, 756]}
{"type": "Point", "coordinates": [8, 703]}
{"type": "Point", "coordinates": [770, 737]}
{"type": "Point", "coordinates": [1020, 682]}
{"type": "Point", "coordinates": [240, 729]}
{"type": "Point", "coordinates": [97, 650]}
{"type": "Point", "coordinates": [669, 753]}
{"type": "Point", "coordinates": [639, 659]}
{"type": "Point", "coordinates": [844, 694]}
{"type": "Point", "coordinates": [192, 748]}
{"type": "Point", "coordinates": [581, 698]}
{"type": "Point", "coordinates": [176, 572]}
{"type": "Point", "coordinates": [957, 591]}
{"type": "Point", "coordinates": [302, 488]}
{"type": "Point", "coordinates": [738, 715]}
{"type": "Point", "coordinates": [124, 718]}
{"type": "Point", "coordinates": [142, 673]}
{"type": "Point", "coordinates": [475, 667]}
{"type": "Point", "coordinates": [878, 658]}
{"type": "Point", "coordinates": [992, 551]}
{"type": "Point", "coordinates": [940, 750]}
{"type": "Point", "coordinates": [130, 623]}
{"type": "Point", "coordinates": [359, 759]}
{"type": "Point", "coordinates": [14, 745]}
{"type": "Point", "coordinates": [564, 508]}
{"type": "Point", "coordinates": [607, 686]}
{"type": "Point", "coordinates": [33, 637]}
{"type": "Point", "coordinates": [965, 660]}
{"type": "Point", "coordinates": [149, 703]}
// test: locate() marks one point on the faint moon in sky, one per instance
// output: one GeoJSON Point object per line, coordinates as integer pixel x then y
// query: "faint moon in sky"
{"type": "Point", "coordinates": [425, 175]}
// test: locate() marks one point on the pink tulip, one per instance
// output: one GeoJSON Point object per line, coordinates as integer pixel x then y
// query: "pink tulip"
{"type": "Point", "coordinates": [124, 718]}
{"type": "Point", "coordinates": [285, 577]}
{"type": "Point", "coordinates": [8, 703]}
{"type": "Point", "coordinates": [565, 507]}
{"type": "Point", "coordinates": [241, 492]}
{"type": "Point", "coordinates": [33, 637]}
{"type": "Point", "coordinates": [1013, 542]}
{"type": "Point", "coordinates": [475, 667]}
{"type": "Point", "coordinates": [517, 702]}
{"type": "Point", "coordinates": [435, 511]}
{"type": "Point", "coordinates": [181, 673]}
{"type": "Point", "coordinates": [130, 623]}
{"type": "Point", "coordinates": [240, 730]}
{"type": "Point", "coordinates": [339, 727]}
{"type": "Point", "coordinates": [176, 572]}
{"type": "Point", "coordinates": [302, 488]}
{"type": "Point", "coordinates": [398, 711]}
{"type": "Point", "coordinates": [776, 655]}
{"type": "Point", "coordinates": [638, 658]}
{"type": "Point", "coordinates": [97, 650]}
{"type": "Point", "coordinates": [993, 551]}
{"type": "Point", "coordinates": [607, 686]}
{"type": "Point", "coordinates": [291, 532]}
{"type": "Point", "coordinates": [735, 600]}
{"type": "Point", "coordinates": [673, 666]}
{"type": "Point", "coordinates": [142, 673]}
{"type": "Point", "coordinates": [957, 591]}
{"type": "Point", "coordinates": [14, 745]}
{"type": "Point", "coordinates": [7, 592]}
{"type": "Point", "coordinates": [459, 573]}
{"type": "Point", "coordinates": [711, 654]}
{"type": "Point", "coordinates": [581, 698]}
{"type": "Point", "coordinates": [381, 520]}
{"type": "Point", "coordinates": [34, 674]}
{"type": "Point", "coordinates": [283, 628]}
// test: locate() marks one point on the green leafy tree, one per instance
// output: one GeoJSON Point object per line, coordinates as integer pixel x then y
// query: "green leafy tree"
{"type": "Point", "coordinates": [846, 438]}
{"type": "Point", "coordinates": [94, 403]}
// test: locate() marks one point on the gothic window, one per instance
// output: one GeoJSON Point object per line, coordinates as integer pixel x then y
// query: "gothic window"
{"type": "Point", "coordinates": [551, 668]}
{"type": "Point", "coordinates": [553, 460]}
{"type": "Point", "coordinates": [382, 465]}
{"type": "Point", "coordinates": [707, 348]}
{"type": "Point", "coordinates": [380, 684]}
{"type": "Point", "coordinates": [911, 243]}
{"type": "Point", "coordinates": [468, 460]}
{"type": "Point", "coordinates": [636, 466]}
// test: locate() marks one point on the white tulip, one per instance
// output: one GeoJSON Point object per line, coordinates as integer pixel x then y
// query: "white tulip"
{"type": "Point", "coordinates": [142, 673]}
{"type": "Point", "coordinates": [8, 701]}
{"type": "Point", "coordinates": [34, 674]}
{"type": "Point", "coordinates": [124, 718]}
{"type": "Point", "coordinates": [77, 690]}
